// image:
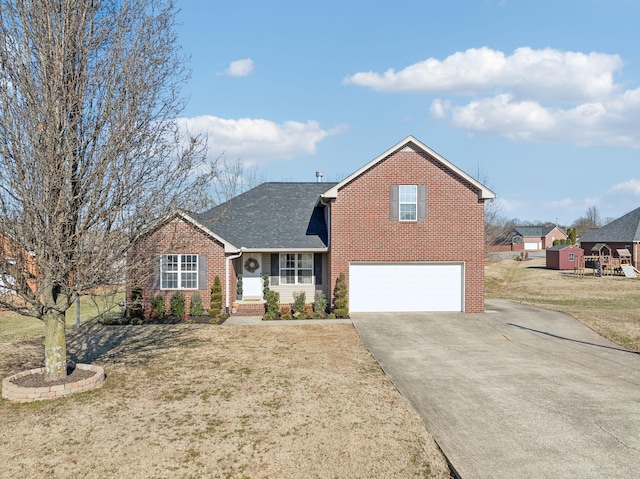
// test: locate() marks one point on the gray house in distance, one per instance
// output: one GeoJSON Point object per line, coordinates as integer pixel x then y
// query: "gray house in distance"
{"type": "Point", "coordinates": [622, 233]}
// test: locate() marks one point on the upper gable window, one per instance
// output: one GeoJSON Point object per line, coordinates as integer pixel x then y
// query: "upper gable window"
{"type": "Point", "coordinates": [408, 203]}
{"type": "Point", "coordinates": [179, 271]}
{"type": "Point", "coordinates": [408, 195]}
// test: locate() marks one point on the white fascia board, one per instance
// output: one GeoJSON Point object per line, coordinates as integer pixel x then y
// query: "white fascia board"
{"type": "Point", "coordinates": [485, 193]}
{"type": "Point", "coordinates": [285, 250]}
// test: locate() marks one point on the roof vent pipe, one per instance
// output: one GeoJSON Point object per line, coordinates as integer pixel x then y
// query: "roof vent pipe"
{"type": "Point", "coordinates": [319, 176]}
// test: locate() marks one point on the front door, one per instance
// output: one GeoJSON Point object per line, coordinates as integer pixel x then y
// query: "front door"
{"type": "Point", "coordinates": [251, 280]}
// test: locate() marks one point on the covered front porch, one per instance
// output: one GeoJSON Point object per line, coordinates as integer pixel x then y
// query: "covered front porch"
{"type": "Point", "coordinates": [287, 272]}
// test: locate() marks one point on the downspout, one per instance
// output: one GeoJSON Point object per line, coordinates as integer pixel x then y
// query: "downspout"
{"type": "Point", "coordinates": [226, 264]}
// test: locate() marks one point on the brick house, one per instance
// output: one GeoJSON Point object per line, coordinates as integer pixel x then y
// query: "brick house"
{"type": "Point", "coordinates": [406, 229]}
{"type": "Point", "coordinates": [17, 267]}
{"type": "Point", "coordinates": [535, 237]}
{"type": "Point", "coordinates": [619, 235]}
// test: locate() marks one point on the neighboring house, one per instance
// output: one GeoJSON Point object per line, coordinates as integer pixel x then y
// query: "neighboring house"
{"type": "Point", "coordinates": [535, 237]}
{"type": "Point", "coordinates": [564, 257]}
{"type": "Point", "coordinates": [621, 234]}
{"type": "Point", "coordinates": [406, 229]}
{"type": "Point", "coordinates": [15, 262]}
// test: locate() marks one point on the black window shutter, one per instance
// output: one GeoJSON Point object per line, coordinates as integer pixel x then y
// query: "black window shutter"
{"type": "Point", "coordinates": [395, 203]}
{"type": "Point", "coordinates": [317, 267]}
{"type": "Point", "coordinates": [155, 272]}
{"type": "Point", "coordinates": [422, 203]}
{"type": "Point", "coordinates": [202, 272]}
{"type": "Point", "coordinates": [275, 269]}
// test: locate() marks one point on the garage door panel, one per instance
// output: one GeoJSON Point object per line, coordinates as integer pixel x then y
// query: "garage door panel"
{"type": "Point", "coordinates": [400, 287]}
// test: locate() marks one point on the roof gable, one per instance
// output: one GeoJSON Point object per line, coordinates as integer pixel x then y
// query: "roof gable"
{"type": "Point", "coordinates": [626, 228]}
{"type": "Point", "coordinates": [191, 219]}
{"type": "Point", "coordinates": [411, 142]}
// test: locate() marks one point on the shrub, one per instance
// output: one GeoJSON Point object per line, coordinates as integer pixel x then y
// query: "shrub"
{"type": "Point", "coordinates": [273, 302]}
{"type": "Point", "coordinates": [215, 304]}
{"type": "Point", "coordinates": [158, 307]}
{"type": "Point", "coordinates": [195, 307]}
{"type": "Point", "coordinates": [299, 300]}
{"type": "Point", "coordinates": [269, 316]}
{"type": "Point", "coordinates": [177, 304]}
{"type": "Point", "coordinates": [308, 311]}
{"type": "Point", "coordinates": [239, 289]}
{"type": "Point", "coordinates": [136, 311]}
{"type": "Point", "coordinates": [218, 319]}
{"type": "Point", "coordinates": [265, 285]}
{"type": "Point", "coordinates": [285, 311]}
{"type": "Point", "coordinates": [320, 302]}
{"type": "Point", "coordinates": [340, 301]}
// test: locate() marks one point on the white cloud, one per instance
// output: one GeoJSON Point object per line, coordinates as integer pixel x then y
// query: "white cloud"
{"type": "Point", "coordinates": [542, 95]}
{"type": "Point", "coordinates": [627, 187]}
{"type": "Point", "coordinates": [606, 123]}
{"type": "Point", "coordinates": [240, 68]}
{"type": "Point", "coordinates": [537, 74]}
{"type": "Point", "coordinates": [254, 140]}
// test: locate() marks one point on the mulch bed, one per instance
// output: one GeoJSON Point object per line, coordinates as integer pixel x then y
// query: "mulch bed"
{"type": "Point", "coordinates": [37, 380]}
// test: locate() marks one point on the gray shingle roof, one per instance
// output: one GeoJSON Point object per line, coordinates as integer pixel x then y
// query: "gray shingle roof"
{"type": "Point", "coordinates": [535, 231]}
{"type": "Point", "coordinates": [625, 228]}
{"type": "Point", "coordinates": [272, 216]}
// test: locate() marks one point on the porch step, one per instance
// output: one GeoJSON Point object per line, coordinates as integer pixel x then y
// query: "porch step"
{"type": "Point", "coordinates": [250, 308]}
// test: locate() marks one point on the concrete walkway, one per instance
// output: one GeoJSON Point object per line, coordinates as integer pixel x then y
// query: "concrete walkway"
{"type": "Point", "coordinates": [515, 392]}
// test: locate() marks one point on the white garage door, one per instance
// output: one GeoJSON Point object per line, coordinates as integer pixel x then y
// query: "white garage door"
{"type": "Point", "coordinates": [399, 287]}
{"type": "Point", "coordinates": [533, 246]}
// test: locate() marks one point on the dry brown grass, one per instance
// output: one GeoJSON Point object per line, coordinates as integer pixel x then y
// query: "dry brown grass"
{"type": "Point", "coordinates": [610, 305]}
{"type": "Point", "coordinates": [192, 401]}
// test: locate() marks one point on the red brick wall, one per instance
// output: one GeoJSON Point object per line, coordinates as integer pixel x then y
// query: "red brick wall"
{"type": "Point", "coordinates": [361, 228]}
{"type": "Point", "coordinates": [554, 234]}
{"type": "Point", "coordinates": [179, 237]}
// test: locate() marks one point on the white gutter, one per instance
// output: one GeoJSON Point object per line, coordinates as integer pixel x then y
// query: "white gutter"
{"type": "Point", "coordinates": [226, 264]}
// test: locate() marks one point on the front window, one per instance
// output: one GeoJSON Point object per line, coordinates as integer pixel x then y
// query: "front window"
{"type": "Point", "coordinates": [296, 268]}
{"type": "Point", "coordinates": [570, 256]}
{"type": "Point", "coordinates": [408, 202]}
{"type": "Point", "coordinates": [179, 271]}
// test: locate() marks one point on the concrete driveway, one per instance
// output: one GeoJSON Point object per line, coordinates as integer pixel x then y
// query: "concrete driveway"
{"type": "Point", "coordinates": [515, 392]}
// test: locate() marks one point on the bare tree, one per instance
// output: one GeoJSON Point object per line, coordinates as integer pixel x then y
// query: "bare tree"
{"type": "Point", "coordinates": [90, 152]}
{"type": "Point", "coordinates": [590, 220]}
{"type": "Point", "coordinates": [497, 229]}
{"type": "Point", "coordinates": [233, 178]}
{"type": "Point", "coordinates": [593, 217]}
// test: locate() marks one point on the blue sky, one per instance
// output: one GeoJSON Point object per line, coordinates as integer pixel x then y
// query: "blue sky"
{"type": "Point", "coordinates": [542, 97]}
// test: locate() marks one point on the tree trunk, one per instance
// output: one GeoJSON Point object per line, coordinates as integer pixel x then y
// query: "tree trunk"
{"type": "Point", "coordinates": [55, 346]}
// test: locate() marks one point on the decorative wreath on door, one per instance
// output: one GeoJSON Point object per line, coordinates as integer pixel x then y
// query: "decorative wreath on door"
{"type": "Point", "coordinates": [251, 265]}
